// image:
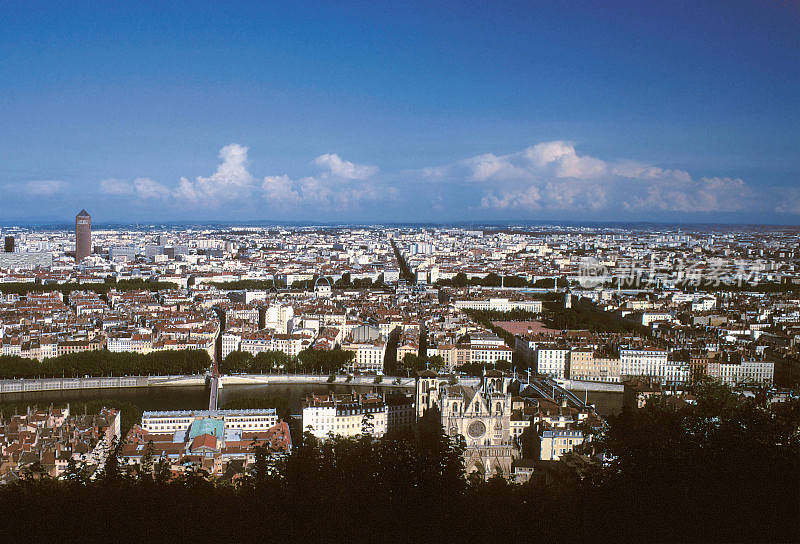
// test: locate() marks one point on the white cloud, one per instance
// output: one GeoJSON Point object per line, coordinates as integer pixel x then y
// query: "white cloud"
{"type": "Point", "coordinates": [561, 160]}
{"type": "Point", "coordinates": [41, 188]}
{"type": "Point", "coordinates": [345, 169]}
{"type": "Point", "coordinates": [144, 188]}
{"type": "Point", "coordinates": [280, 190]}
{"type": "Point", "coordinates": [790, 203]}
{"type": "Point", "coordinates": [528, 198]}
{"type": "Point", "coordinates": [687, 195]}
{"type": "Point", "coordinates": [636, 170]}
{"type": "Point", "coordinates": [434, 172]}
{"type": "Point", "coordinates": [147, 188]}
{"type": "Point", "coordinates": [548, 176]}
{"type": "Point", "coordinates": [548, 159]}
{"type": "Point", "coordinates": [554, 176]}
{"type": "Point", "coordinates": [568, 194]}
{"type": "Point", "coordinates": [326, 192]}
{"type": "Point", "coordinates": [116, 187]}
{"type": "Point", "coordinates": [548, 152]}
{"type": "Point", "coordinates": [491, 167]}
{"type": "Point", "coordinates": [230, 182]}
{"type": "Point", "coordinates": [342, 187]}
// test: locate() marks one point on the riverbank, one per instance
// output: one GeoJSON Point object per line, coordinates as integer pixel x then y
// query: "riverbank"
{"type": "Point", "coordinates": [289, 379]}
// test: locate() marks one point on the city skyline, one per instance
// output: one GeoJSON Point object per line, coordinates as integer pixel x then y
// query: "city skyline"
{"type": "Point", "coordinates": [411, 114]}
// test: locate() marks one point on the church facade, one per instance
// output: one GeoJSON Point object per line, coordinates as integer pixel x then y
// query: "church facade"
{"type": "Point", "coordinates": [481, 415]}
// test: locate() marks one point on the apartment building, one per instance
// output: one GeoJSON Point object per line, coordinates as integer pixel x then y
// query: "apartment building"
{"type": "Point", "coordinates": [581, 365]}
{"type": "Point", "coordinates": [677, 373]}
{"type": "Point", "coordinates": [655, 317]}
{"type": "Point", "coordinates": [132, 342]}
{"type": "Point", "coordinates": [489, 355]}
{"type": "Point", "coordinates": [585, 366]}
{"type": "Point", "coordinates": [555, 443]}
{"type": "Point", "coordinates": [230, 342]}
{"type": "Point", "coordinates": [552, 361]}
{"type": "Point", "coordinates": [176, 420]}
{"type": "Point", "coordinates": [344, 415]}
{"type": "Point", "coordinates": [368, 356]}
{"type": "Point", "coordinates": [499, 305]}
{"type": "Point", "coordinates": [290, 344]}
{"type": "Point", "coordinates": [643, 362]}
{"type": "Point", "coordinates": [447, 352]}
{"type": "Point", "coordinates": [746, 372]}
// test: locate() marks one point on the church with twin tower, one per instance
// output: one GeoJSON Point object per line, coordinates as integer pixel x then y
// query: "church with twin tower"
{"type": "Point", "coordinates": [481, 415]}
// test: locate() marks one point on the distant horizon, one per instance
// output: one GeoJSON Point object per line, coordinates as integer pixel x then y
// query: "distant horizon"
{"type": "Point", "coordinates": [59, 224]}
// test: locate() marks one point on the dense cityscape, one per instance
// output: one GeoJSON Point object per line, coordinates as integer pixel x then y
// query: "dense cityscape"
{"type": "Point", "coordinates": [498, 333]}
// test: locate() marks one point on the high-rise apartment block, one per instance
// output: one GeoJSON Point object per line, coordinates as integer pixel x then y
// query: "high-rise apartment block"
{"type": "Point", "coordinates": [83, 235]}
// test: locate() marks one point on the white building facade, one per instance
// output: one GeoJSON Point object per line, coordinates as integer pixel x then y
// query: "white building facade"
{"type": "Point", "coordinates": [345, 416]}
{"type": "Point", "coordinates": [552, 361]}
{"type": "Point", "coordinates": [746, 372]}
{"type": "Point", "coordinates": [175, 420]}
{"type": "Point", "coordinates": [643, 362]}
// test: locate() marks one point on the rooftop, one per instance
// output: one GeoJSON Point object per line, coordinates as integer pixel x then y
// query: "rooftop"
{"type": "Point", "coordinates": [210, 413]}
{"type": "Point", "coordinates": [213, 427]}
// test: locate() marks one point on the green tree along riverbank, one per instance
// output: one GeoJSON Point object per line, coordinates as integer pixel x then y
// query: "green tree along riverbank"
{"type": "Point", "coordinates": [105, 363]}
{"type": "Point", "coordinates": [723, 470]}
{"type": "Point", "coordinates": [308, 361]}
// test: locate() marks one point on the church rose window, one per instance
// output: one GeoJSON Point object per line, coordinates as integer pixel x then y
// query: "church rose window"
{"type": "Point", "coordinates": [476, 429]}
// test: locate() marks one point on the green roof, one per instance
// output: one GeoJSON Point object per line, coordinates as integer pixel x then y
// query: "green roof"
{"type": "Point", "coordinates": [214, 427]}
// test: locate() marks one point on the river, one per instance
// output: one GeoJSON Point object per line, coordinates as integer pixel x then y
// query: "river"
{"type": "Point", "coordinates": [605, 402]}
{"type": "Point", "coordinates": [181, 398]}
{"type": "Point", "coordinates": [196, 397]}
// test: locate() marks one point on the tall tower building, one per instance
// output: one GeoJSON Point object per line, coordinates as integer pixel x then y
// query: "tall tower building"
{"type": "Point", "coordinates": [9, 244]}
{"type": "Point", "coordinates": [83, 235]}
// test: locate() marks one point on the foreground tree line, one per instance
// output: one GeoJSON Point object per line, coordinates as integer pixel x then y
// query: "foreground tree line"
{"type": "Point", "coordinates": [725, 469]}
{"type": "Point", "coordinates": [105, 363]}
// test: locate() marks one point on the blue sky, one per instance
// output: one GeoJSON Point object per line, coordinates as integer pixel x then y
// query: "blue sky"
{"type": "Point", "coordinates": [349, 111]}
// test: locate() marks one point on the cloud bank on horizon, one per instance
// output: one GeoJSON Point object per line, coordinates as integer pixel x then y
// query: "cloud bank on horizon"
{"type": "Point", "coordinates": [553, 176]}
{"type": "Point", "coordinates": [550, 176]}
